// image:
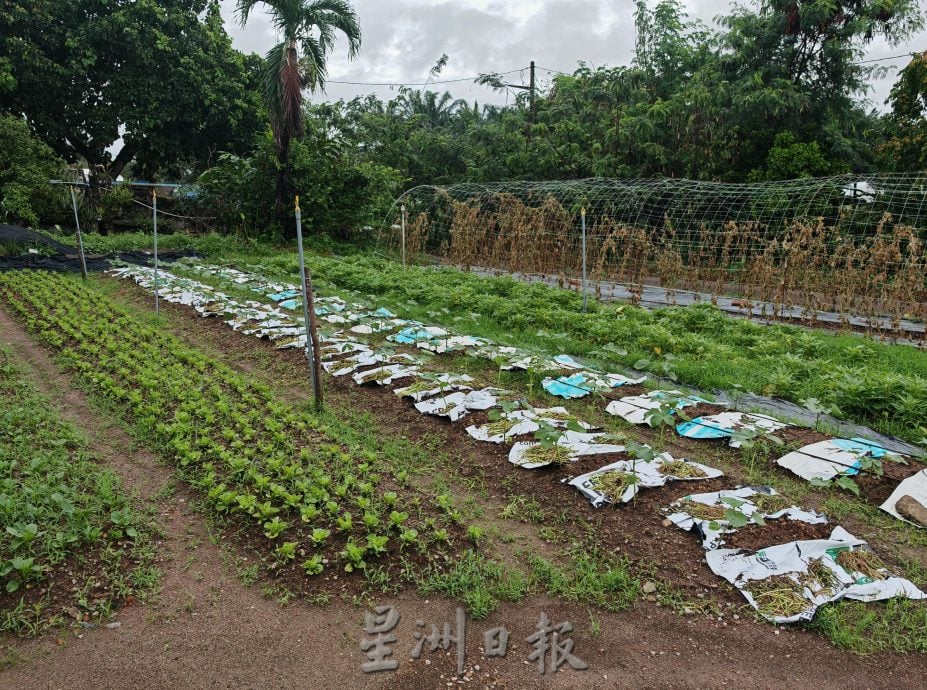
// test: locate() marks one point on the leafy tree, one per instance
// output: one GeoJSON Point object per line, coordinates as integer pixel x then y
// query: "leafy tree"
{"type": "Point", "coordinates": [906, 148]}
{"type": "Point", "coordinates": [311, 27]}
{"type": "Point", "coordinates": [339, 190]}
{"type": "Point", "coordinates": [789, 159]}
{"type": "Point", "coordinates": [160, 73]}
{"type": "Point", "coordinates": [26, 164]}
{"type": "Point", "coordinates": [794, 65]}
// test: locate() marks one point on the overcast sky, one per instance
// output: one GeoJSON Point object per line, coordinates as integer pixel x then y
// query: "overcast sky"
{"type": "Point", "coordinates": [402, 39]}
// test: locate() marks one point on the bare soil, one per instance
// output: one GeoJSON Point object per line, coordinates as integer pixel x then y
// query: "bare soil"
{"type": "Point", "coordinates": [781, 531]}
{"type": "Point", "coordinates": [205, 629]}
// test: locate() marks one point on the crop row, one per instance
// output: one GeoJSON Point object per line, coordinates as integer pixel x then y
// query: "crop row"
{"type": "Point", "coordinates": [855, 377]}
{"type": "Point", "coordinates": [63, 515]}
{"type": "Point", "coordinates": [255, 457]}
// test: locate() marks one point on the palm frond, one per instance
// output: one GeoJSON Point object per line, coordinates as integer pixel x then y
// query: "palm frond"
{"type": "Point", "coordinates": [273, 64]}
{"type": "Point", "coordinates": [313, 63]}
{"type": "Point", "coordinates": [337, 14]}
{"type": "Point", "coordinates": [243, 10]}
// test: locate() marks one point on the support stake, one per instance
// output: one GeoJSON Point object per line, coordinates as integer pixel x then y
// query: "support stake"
{"type": "Point", "coordinates": [312, 340]}
{"type": "Point", "coordinates": [403, 207]}
{"type": "Point", "coordinates": [582, 216]}
{"type": "Point", "coordinates": [154, 222]}
{"type": "Point", "coordinates": [80, 240]}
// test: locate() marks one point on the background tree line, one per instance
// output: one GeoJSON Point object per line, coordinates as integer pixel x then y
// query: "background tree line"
{"type": "Point", "coordinates": [776, 90]}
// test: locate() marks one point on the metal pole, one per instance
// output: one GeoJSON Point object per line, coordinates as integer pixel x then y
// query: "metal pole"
{"type": "Point", "coordinates": [154, 220]}
{"type": "Point", "coordinates": [532, 101]}
{"type": "Point", "coordinates": [80, 241]}
{"type": "Point", "coordinates": [582, 216]}
{"type": "Point", "coordinates": [308, 314]}
{"type": "Point", "coordinates": [403, 207]}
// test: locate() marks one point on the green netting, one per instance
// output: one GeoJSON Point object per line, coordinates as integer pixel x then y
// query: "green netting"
{"type": "Point", "coordinates": [851, 245]}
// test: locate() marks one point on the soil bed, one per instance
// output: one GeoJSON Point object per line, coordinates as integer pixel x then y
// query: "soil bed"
{"type": "Point", "coordinates": [755, 537]}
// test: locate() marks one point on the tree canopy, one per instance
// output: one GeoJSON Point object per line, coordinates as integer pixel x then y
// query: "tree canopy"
{"type": "Point", "coordinates": [160, 74]}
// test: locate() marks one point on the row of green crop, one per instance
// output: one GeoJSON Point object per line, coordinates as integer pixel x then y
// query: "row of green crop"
{"type": "Point", "coordinates": [60, 511]}
{"type": "Point", "coordinates": [254, 456]}
{"type": "Point", "coordinates": [855, 377]}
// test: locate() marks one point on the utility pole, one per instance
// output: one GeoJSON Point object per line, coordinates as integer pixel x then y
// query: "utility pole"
{"type": "Point", "coordinates": [531, 88]}
{"type": "Point", "coordinates": [531, 96]}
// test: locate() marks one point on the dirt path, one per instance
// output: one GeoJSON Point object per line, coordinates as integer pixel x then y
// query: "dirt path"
{"type": "Point", "coordinates": [204, 629]}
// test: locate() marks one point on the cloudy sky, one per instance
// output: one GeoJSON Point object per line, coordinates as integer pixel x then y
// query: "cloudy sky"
{"type": "Point", "coordinates": [403, 38]}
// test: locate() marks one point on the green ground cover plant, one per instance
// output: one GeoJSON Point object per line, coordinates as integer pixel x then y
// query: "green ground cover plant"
{"type": "Point", "coordinates": [73, 546]}
{"type": "Point", "coordinates": [301, 484]}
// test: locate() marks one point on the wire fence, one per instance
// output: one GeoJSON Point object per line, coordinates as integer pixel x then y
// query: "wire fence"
{"type": "Point", "coordinates": [847, 249]}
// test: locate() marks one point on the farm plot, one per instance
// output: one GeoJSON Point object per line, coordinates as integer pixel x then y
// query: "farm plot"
{"type": "Point", "coordinates": [296, 488]}
{"type": "Point", "coordinates": [357, 321]}
{"type": "Point", "coordinates": [74, 545]}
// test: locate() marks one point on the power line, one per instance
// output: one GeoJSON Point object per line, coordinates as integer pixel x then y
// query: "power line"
{"type": "Point", "coordinates": [894, 57]}
{"type": "Point", "coordinates": [861, 62]}
{"type": "Point", "coordinates": [424, 83]}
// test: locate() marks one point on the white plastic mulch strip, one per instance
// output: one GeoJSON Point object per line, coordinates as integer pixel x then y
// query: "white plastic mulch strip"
{"type": "Point", "coordinates": [826, 460]}
{"type": "Point", "coordinates": [726, 424]}
{"type": "Point", "coordinates": [586, 382]}
{"type": "Point", "coordinates": [914, 487]}
{"type": "Point", "coordinates": [748, 501]}
{"type": "Point", "coordinates": [637, 409]}
{"type": "Point", "coordinates": [787, 583]}
{"type": "Point", "coordinates": [639, 474]}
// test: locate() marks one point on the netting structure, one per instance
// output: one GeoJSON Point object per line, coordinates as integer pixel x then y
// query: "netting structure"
{"type": "Point", "coordinates": [848, 249]}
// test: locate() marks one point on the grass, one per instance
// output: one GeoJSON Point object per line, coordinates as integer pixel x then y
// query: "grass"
{"type": "Point", "coordinates": [480, 583]}
{"type": "Point", "coordinates": [66, 518]}
{"type": "Point", "coordinates": [591, 576]}
{"type": "Point", "coordinates": [896, 625]}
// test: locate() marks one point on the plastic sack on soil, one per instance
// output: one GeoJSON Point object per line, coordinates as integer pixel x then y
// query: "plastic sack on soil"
{"type": "Point", "coordinates": [284, 295]}
{"type": "Point", "coordinates": [826, 460]}
{"type": "Point", "coordinates": [412, 334]}
{"type": "Point", "coordinates": [452, 343]}
{"type": "Point", "coordinates": [523, 422]}
{"type": "Point", "coordinates": [706, 514]}
{"type": "Point", "coordinates": [291, 343]}
{"type": "Point", "coordinates": [636, 409]}
{"type": "Point", "coordinates": [384, 376]}
{"type": "Point", "coordinates": [570, 446]}
{"type": "Point", "coordinates": [914, 487]}
{"type": "Point", "coordinates": [586, 382]}
{"type": "Point", "coordinates": [787, 583]}
{"type": "Point", "coordinates": [450, 406]}
{"type": "Point", "coordinates": [435, 385]}
{"type": "Point", "coordinates": [512, 424]}
{"type": "Point", "coordinates": [725, 424]}
{"type": "Point", "coordinates": [627, 477]}
{"type": "Point", "coordinates": [461, 403]}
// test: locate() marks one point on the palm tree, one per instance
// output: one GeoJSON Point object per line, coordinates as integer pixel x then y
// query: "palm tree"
{"type": "Point", "coordinates": [308, 31]}
{"type": "Point", "coordinates": [433, 109]}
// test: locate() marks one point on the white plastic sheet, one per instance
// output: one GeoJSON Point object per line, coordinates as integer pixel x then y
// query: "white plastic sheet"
{"type": "Point", "coordinates": [647, 476]}
{"type": "Point", "coordinates": [637, 409]}
{"type": "Point", "coordinates": [746, 571]}
{"type": "Point", "coordinates": [914, 486]}
{"type": "Point", "coordinates": [712, 532]}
